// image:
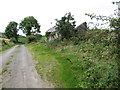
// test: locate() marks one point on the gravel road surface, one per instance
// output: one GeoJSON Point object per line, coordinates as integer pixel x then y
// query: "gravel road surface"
{"type": "Point", "coordinates": [18, 71]}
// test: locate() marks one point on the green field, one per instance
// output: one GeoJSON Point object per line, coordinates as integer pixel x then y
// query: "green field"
{"type": "Point", "coordinates": [22, 39]}
{"type": "Point", "coordinates": [92, 63]}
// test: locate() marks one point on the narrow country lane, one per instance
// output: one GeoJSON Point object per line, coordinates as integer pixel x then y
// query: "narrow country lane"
{"type": "Point", "coordinates": [18, 71]}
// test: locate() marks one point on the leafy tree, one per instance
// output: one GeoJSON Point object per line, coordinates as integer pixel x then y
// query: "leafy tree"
{"type": "Point", "coordinates": [29, 25]}
{"type": "Point", "coordinates": [11, 31]}
{"type": "Point", "coordinates": [66, 26]}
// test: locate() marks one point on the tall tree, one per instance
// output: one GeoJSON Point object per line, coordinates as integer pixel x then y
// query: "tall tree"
{"type": "Point", "coordinates": [11, 31]}
{"type": "Point", "coordinates": [29, 25]}
{"type": "Point", "coordinates": [66, 26]}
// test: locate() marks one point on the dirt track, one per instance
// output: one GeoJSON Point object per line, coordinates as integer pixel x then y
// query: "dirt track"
{"type": "Point", "coordinates": [18, 69]}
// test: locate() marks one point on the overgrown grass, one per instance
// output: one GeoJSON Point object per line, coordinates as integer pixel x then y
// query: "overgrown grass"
{"type": "Point", "coordinates": [4, 70]}
{"type": "Point", "coordinates": [90, 64]}
{"type": "Point", "coordinates": [8, 62]}
{"type": "Point", "coordinates": [47, 64]}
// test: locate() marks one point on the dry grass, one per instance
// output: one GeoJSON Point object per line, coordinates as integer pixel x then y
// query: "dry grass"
{"type": "Point", "coordinates": [7, 40]}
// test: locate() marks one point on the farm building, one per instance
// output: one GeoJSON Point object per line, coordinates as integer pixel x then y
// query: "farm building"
{"type": "Point", "coordinates": [54, 34]}
{"type": "Point", "coordinates": [81, 28]}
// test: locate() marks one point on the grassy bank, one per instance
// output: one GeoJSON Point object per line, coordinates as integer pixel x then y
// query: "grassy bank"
{"type": "Point", "coordinates": [4, 46]}
{"type": "Point", "coordinates": [90, 63]}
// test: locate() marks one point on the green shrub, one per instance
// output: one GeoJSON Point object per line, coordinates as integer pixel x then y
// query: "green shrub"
{"type": "Point", "coordinates": [38, 36]}
{"type": "Point", "coordinates": [13, 40]}
{"type": "Point", "coordinates": [47, 34]}
{"type": "Point", "coordinates": [31, 38]}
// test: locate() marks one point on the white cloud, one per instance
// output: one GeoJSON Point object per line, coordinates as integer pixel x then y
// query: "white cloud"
{"type": "Point", "coordinates": [46, 11]}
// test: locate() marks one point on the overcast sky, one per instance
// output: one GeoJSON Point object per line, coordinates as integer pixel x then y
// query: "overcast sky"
{"type": "Point", "coordinates": [46, 11]}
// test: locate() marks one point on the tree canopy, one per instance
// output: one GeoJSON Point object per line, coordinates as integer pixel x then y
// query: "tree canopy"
{"type": "Point", "coordinates": [29, 25]}
{"type": "Point", "coordinates": [11, 31]}
{"type": "Point", "coordinates": [66, 26]}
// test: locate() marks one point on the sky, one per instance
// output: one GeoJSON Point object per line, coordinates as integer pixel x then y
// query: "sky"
{"type": "Point", "coordinates": [46, 11]}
